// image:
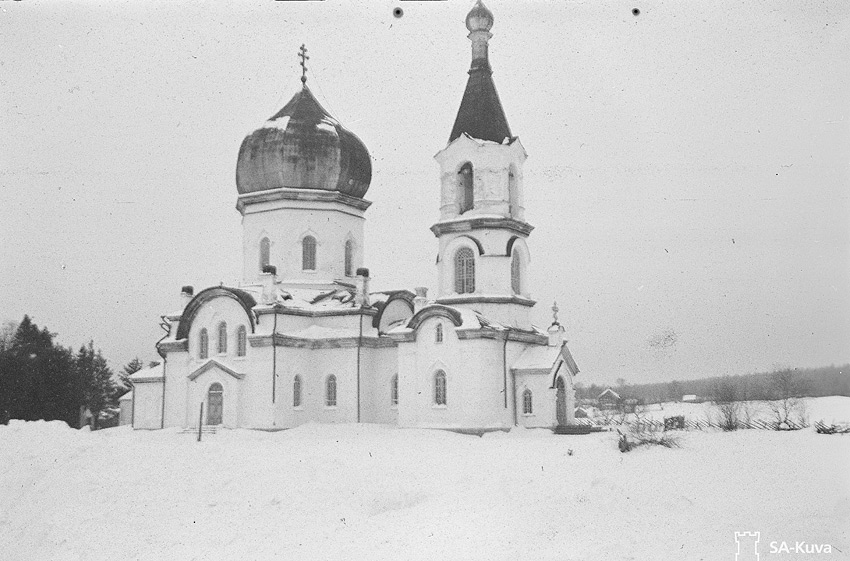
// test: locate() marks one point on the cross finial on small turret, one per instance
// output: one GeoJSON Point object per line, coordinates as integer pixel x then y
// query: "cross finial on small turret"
{"type": "Point", "coordinates": [302, 53]}
{"type": "Point", "coordinates": [555, 313]}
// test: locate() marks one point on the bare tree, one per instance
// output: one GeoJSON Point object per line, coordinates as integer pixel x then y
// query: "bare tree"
{"type": "Point", "coordinates": [726, 403]}
{"type": "Point", "coordinates": [788, 409]}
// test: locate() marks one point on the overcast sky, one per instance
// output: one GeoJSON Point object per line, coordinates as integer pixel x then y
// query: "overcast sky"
{"type": "Point", "coordinates": [687, 174]}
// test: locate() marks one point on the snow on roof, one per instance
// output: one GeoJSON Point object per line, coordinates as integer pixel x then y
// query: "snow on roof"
{"type": "Point", "coordinates": [537, 358]}
{"type": "Point", "coordinates": [147, 373]}
{"type": "Point", "coordinates": [611, 392]}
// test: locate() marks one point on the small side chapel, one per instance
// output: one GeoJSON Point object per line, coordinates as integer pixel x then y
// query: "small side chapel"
{"type": "Point", "coordinates": [303, 339]}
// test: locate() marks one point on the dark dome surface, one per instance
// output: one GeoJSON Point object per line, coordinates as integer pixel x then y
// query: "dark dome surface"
{"type": "Point", "coordinates": [303, 147]}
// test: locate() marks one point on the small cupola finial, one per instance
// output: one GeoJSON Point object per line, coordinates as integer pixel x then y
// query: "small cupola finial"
{"type": "Point", "coordinates": [302, 54]}
{"type": "Point", "coordinates": [479, 20]}
{"type": "Point", "coordinates": [555, 313]}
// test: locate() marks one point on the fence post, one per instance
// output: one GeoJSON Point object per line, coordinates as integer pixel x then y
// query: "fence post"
{"type": "Point", "coordinates": [200, 421]}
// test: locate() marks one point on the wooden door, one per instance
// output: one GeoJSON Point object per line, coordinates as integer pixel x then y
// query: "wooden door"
{"type": "Point", "coordinates": [215, 404]}
{"type": "Point", "coordinates": [561, 402]}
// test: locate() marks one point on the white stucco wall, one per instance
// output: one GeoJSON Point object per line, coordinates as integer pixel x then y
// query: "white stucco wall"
{"type": "Point", "coordinates": [286, 223]}
{"type": "Point", "coordinates": [148, 414]}
{"type": "Point", "coordinates": [475, 381]}
{"type": "Point", "coordinates": [491, 165]}
{"type": "Point", "coordinates": [543, 400]}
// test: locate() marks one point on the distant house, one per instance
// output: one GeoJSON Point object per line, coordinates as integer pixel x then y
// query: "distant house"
{"type": "Point", "coordinates": [581, 413]}
{"type": "Point", "coordinates": [630, 404]}
{"type": "Point", "coordinates": [609, 398]}
{"type": "Point", "coordinates": [691, 398]}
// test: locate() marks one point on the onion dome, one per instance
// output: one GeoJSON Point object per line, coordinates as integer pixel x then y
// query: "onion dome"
{"type": "Point", "coordinates": [479, 18]}
{"type": "Point", "coordinates": [303, 147]}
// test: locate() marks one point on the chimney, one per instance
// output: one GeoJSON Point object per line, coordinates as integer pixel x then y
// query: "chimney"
{"type": "Point", "coordinates": [268, 278]}
{"type": "Point", "coordinates": [186, 294]}
{"type": "Point", "coordinates": [421, 299]}
{"type": "Point", "coordinates": [361, 297]}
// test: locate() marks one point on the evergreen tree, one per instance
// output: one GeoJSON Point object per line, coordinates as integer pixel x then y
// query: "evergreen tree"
{"type": "Point", "coordinates": [129, 369]}
{"type": "Point", "coordinates": [95, 378]}
{"type": "Point", "coordinates": [36, 377]}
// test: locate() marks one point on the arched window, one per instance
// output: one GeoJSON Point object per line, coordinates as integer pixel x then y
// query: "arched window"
{"type": "Point", "coordinates": [203, 344]}
{"type": "Point", "coordinates": [516, 272]}
{"type": "Point", "coordinates": [464, 271]}
{"type": "Point", "coordinates": [296, 392]}
{"type": "Point", "coordinates": [440, 388]}
{"type": "Point", "coordinates": [466, 189]}
{"type": "Point", "coordinates": [513, 194]}
{"type": "Point", "coordinates": [527, 408]}
{"type": "Point", "coordinates": [241, 341]}
{"type": "Point", "coordinates": [394, 391]}
{"type": "Point", "coordinates": [349, 258]}
{"type": "Point", "coordinates": [222, 338]}
{"type": "Point", "coordinates": [265, 251]}
{"type": "Point", "coordinates": [308, 253]}
{"type": "Point", "coordinates": [330, 391]}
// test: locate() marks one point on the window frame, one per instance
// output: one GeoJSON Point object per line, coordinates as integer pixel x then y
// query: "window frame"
{"type": "Point", "coordinates": [394, 391]}
{"type": "Point", "coordinates": [527, 402]}
{"type": "Point", "coordinates": [464, 270]}
{"type": "Point", "coordinates": [241, 341]}
{"type": "Point", "coordinates": [297, 387]}
{"type": "Point", "coordinates": [466, 188]}
{"type": "Point", "coordinates": [221, 343]}
{"type": "Point", "coordinates": [203, 344]}
{"type": "Point", "coordinates": [440, 389]}
{"type": "Point", "coordinates": [349, 258]}
{"type": "Point", "coordinates": [265, 252]}
{"type": "Point", "coordinates": [516, 272]}
{"type": "Point", "coordinates": [331, 398]}
{"type": "Point", "coordinates": [309, 252]}
{"type": "Point", "coordinates": [438, 333]}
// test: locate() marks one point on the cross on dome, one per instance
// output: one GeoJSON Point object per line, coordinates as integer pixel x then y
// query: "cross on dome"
{"type": "Point", "coordinates": [302, 54]}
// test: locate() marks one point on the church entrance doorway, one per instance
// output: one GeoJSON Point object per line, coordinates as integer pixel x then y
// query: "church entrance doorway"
{"type": "Point", "coordinates": [215, 404]}
{"type": "Point", "coordinates": [561, 401]}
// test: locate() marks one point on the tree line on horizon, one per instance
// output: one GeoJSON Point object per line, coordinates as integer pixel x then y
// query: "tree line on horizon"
{"type": "Point", "coordinates": [41, 380]}
{"type": "Point", "coordinates": [761, 386]}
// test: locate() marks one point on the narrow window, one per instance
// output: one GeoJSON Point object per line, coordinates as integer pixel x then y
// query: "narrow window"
{"type": "Point", "coordinates": [222, 338]}
{"type": "Point", "coordinates": [349, 258]}
{"type": "Point", "coordinates": [516, 279]}
{"type": "Point", "coordinates": [464, 271]}
{"type": "Point", "coordinates": [308, 253]}
{"type": "Point", "coordinates": [513, 195]}
{"type": "Point", "coordinates": [438, 335]}
{"type": "Point", "coordinates": [241, 341]}
{"type": "Point", "coordinates": [296, 392]}
{"type": "Point", "coordinates": [330, 391]}
{"type": "Point", "coordinates": [394, 391]}
{"type": "Point", "coordinates": [265, 251]}
{"type": "Point", "coordinates": [203, 344]}
{"type": "Point", "coordinates": [440, 388]}
{"type": "Point", "coordinates": [526, 402]}
{"type": "Point", "coordinates": [466, 191]}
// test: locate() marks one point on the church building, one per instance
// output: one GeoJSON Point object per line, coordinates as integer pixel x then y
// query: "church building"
{"type": "Point", "coordinates": [303, 339]}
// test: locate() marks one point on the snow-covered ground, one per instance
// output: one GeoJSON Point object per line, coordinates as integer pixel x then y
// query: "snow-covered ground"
{"type": "Point", "coordinates": [374, 492]}
{"type": "Point", "coordinates": [832, 409]}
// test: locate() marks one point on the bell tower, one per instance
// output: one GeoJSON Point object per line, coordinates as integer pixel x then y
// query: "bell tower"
{"type": "Point", "coordinates": [483, 256]}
